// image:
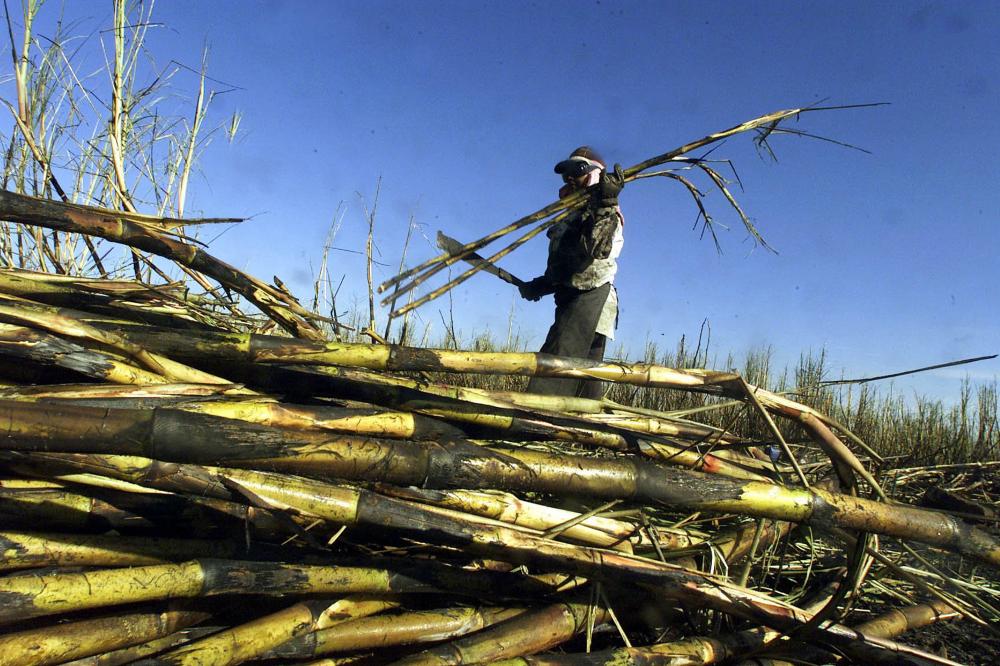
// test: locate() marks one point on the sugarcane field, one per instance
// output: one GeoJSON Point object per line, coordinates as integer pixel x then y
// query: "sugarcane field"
{"type": "Point", "coordinates": [201, 466]}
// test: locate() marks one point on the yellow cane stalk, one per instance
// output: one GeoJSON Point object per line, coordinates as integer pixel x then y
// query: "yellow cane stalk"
{"type": "Point", "coordinates": [373, 422]}
{"type": "Point", "coordinates": [74, 640]}
{"type": "Point", "coordinates": [147, 649]}
{"type": "Point", "coordinates": [122, 392]}
{"type": "Point", "coordinates": [672, 454]}
{"type": "Point", "coordinates": [91, 362]}
{"type": "Point", "coordinates": [25, 312]}
{"type": "Point", "coordinates": [900, 620]}
{"type": "Point", "coordinates": [694, 651]}
{"type": "Point", "coordinates": [527, 633]}
{"type": "Point", "coordinates": [256, 638]}
{"type": "Point", "coordinates": [393, 630]}
{"type": "Point", "coordinates": [510, 509]}
{"type": "Point", "coordinates": [24, 550]}
{"type": "Point", "coordinates": [35, 595]}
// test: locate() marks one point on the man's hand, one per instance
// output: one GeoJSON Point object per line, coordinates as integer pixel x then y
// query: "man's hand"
{"type": "Point", "coordinates": [605, 192]}
{"type": "Point", "coordinates": [533, 290]}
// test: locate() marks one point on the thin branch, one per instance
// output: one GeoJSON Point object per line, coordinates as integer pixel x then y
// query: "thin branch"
{"type": "Point", "coordinates": [950, 364]}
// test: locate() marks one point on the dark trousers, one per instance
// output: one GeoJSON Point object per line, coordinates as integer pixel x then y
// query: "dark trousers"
{"type": "Point", "coordinates": [573, 334]}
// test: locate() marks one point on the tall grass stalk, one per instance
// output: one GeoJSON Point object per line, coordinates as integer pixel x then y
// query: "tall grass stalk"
{"type": "Point", "coordinates": [109, 136]}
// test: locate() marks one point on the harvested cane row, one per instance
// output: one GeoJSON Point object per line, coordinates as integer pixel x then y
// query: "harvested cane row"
{"type": "Point", "coordinates": [178, 488]}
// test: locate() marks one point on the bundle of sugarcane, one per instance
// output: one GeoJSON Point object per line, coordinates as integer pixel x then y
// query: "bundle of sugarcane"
{"type": "Point", "coordinates": [177, 487]}
{"type": "Point", "coordinates": [679, 161]}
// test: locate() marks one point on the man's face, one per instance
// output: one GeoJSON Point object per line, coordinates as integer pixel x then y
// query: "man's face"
{"type": "Point", "coordinates": [577, 183]}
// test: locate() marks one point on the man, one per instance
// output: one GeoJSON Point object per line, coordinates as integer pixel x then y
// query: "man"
{"type": "Point", "coordinates": [580, 273]}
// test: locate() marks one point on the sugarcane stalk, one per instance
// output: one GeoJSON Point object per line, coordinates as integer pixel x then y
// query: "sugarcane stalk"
{"type": "Point", "coordinates": [31, 484]}
{"type": "Point", "coordinates": [36, 595]}
{"type": "Point", "coordinates": [702, 461]}
{"type": "Point", "coordinates": [448, 258]}
{"type": "Point", "coordinates": [346, 504]}
{"type": "Point", "coordinates": [533, 631]}
{"type": "Point", "coordinates": [693, 651]}
{"type": "Point", "coordinates": [511, 426]}
{"type": "Point", "coordinates": [202, 346]}
{"type": "Point", "coordinates": [405, 425]}
{"type": "Point", "coordinates": [704, 650]}
{"type": "Point", "coordinates": [252, 639]}
{"type": "Point", "coordinates": [385, 357]}
{"type": "Point", "coordinates": [53, 426]}
{"type": "Point", "coordinates": [377, 422]}
{"type": "Point", "coordinates": [669, 428]}
{"type": "Point", "coordinates": [248, 347]}
{"type": "Point", "coordinates": [157, 645]}
{"type": "Point", "coordinates": [898, 621]}
{"type": "Point", "coordinates": [488, 264]}
{"type": "Point", "coordinates": [22, 342]}
{"type": "Point", "coordinates": [550, 407]}
{"type": "Point", "coordinates": [24, 312]}
{"type": "Point", "coordinates": [161, 305]}
{"type": "Point", "coordinates": [140, 232]}
{"type": "Point", "coordinates": [131, 512]}
{"type": "Point", "coordinates": [271, 349]}
{"type": "Point", "coordinates": [196, 348]}
{"type": "Point", "coordinates": [354, 505]}
{"type": "Point", "coordinates": [60, 643]}
{"type": "Point", "coordinates": [736, 543]}
{"type": "Point", "coordinates": [342, 504]}
{"type": "Point", "coordinates": [394, 630]}
{"type": "Point", "coordinates": [104, 483]}
{"type": "Point", "coordinates": [122, 395]}
{"type": "Point", "coordinates": [24, 550]}
{"type": "Point", "coordinates": [69, 290]}
{"type": "Point", "coordinates": [388, 357]}
{"type": "Point", "coordinates": [572, 419]}
{"type": "Point", "coordinates": [374, 422]}
{"type": "Point", "coordinates": [64, 510]}
{"type": "Point", "coordinates": [160, 505]}
{"type": "Point", "coordinates": [468, 273]}
{"type": "Point", "coordinates": [179, 437]}
{"type": "Point", "coordinates": [360, 659]}
{"type": "Point", "coordinates": [508, 508]}
{"type": "Point", "coordinates": [819, 426]}
{"type": "Point", "coordinates": [419, 424]}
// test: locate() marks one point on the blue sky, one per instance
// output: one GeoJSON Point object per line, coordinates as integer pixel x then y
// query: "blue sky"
{"type": "Point", "coordinates": [886, 260]}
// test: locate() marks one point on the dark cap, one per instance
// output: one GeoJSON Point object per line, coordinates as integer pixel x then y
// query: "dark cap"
{"type": "Point", "coordinates": [582, 160]}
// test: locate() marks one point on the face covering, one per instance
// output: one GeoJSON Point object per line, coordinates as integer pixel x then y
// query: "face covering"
{"type": "Point", "coordinates": [569, 188]}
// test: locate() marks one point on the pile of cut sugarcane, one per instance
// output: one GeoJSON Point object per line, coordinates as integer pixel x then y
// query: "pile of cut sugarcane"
{"type": "Point", "coordinates": [178, 488]}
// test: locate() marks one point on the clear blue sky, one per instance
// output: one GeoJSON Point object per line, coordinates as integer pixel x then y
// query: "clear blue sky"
{"type": "Point", "coordinates": [888, 260]}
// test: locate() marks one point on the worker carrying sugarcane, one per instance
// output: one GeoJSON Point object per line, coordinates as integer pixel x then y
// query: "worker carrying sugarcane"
{"type": "Point", "coordinates": [580, 273]}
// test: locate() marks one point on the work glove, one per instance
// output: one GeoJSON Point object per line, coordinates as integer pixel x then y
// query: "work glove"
{"type": "Point", "coordinates": [533, 290]}
{"type": "Point", "coordinates": [604, 194]}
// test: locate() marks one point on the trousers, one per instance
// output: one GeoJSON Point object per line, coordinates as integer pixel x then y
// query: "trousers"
{"type": "Point", "coordinates": [573, 333]}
